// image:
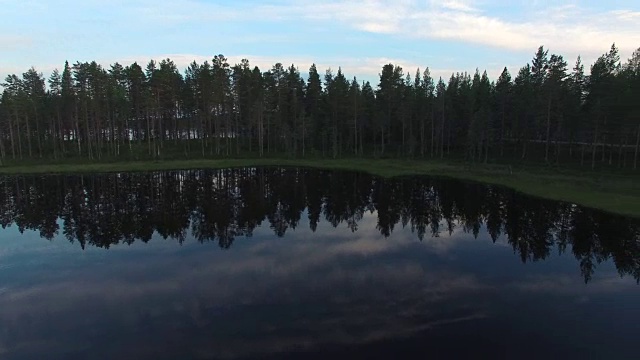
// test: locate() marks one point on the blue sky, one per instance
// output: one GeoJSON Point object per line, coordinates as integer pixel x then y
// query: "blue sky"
{"type": "Point", "coordinates": [359, 36]}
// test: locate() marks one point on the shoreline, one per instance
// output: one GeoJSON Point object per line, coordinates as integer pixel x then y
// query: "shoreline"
{"type": "Point", "coordinates": [612, 193]}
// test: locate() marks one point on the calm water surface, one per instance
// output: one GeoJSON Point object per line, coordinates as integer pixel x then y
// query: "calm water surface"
{"type": "Point", "coordinates": [297, 263]}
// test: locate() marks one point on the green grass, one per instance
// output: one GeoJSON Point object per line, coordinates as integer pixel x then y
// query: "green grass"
{"type": "Point", "coordinates": [617, 193]}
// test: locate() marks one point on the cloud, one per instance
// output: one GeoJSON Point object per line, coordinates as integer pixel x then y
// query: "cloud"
{"type": "Point", "coordinates": [14, 42]}
{"type": "Point", "coordinates": [626, 15]}
{"type": "Point", "coordinates": [457, 5]}
{"type": "Point", "coordinates": [567, 285]}
{"type": "Point", "coordinates": [564, 28]}
{"type": "Point", "coordinates": [205, 290]}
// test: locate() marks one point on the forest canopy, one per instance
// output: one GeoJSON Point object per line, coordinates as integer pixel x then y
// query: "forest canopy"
{"type": "Point", "coordinates": [550, 111]}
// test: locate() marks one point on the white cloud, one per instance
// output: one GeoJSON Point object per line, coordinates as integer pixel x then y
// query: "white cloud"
{"type": "Point", "coordinates": [626, 15]}
{"type": "Point", "coordinates": [457, 5]}
{"type": "Point", "coordinates": [564, 284]}
{"type": "Point", "coordinates": [14, 42]}
{"type": "Point", "coordinates": [564, 28]}
{"type": "Point", "coordinates": [263, 270]}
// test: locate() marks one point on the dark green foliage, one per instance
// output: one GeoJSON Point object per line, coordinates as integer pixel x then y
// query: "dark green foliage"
{"type": "Point", "coordinates": [547, 113]}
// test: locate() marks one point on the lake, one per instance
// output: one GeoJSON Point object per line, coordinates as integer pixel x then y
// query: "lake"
{"type": "Point", "coordinates": [301, 263]}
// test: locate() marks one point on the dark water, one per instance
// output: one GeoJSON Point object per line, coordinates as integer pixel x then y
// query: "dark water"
{"type": "Point", "coordinates": [292, 263]}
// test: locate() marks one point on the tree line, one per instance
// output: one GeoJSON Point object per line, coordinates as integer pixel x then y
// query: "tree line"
{"type": "Point", "coordinates": [223, 205]}
{"type": "Point", "coordinates": [545, 113]}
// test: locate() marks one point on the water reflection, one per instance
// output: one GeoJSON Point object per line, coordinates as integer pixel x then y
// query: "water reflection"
{"type": "Point", "coordinates": [319, 263]}
{"type": "Point", "coordinates": [222, 205]}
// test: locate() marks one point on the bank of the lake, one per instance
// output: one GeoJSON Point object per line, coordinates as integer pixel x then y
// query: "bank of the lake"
{"type": "Point", "coordinates": [617, 193]}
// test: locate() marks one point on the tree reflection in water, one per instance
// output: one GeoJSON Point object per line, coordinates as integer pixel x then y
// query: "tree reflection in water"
{"type": "Point", "coordinates": [222, 205]}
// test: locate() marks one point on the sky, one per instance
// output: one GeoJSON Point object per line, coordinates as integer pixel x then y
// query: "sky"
{"type": "Point", "coordinates": [359, 36]}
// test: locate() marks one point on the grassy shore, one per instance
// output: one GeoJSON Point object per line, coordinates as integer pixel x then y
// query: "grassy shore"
{"type": "Point", "coordinates": [617, 193]}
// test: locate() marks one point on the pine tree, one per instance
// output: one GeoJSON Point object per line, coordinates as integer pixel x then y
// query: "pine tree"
{"type": "Point", "coordinates": [313, 97]}
{"type": "Point", "coordinates": [503, 99]}
{"type": "Point", "coordinates": [555, 89]}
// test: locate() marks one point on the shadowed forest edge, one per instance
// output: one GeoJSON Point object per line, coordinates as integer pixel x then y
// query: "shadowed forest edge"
{"type": "Point", "coordinates": [550, 132]}
{"type": "Point", "coordinates": [548, 114]}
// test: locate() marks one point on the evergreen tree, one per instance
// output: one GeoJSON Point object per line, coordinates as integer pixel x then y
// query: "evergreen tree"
{"type": "Point", "coordinates": [313, 98]}
{"type": "Point", "coordinates": [216, 110]}
{"type": "Point", "coordinates": [503, 104]}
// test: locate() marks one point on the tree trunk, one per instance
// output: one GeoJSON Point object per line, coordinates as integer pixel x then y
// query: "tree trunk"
{"type": "Point", "coordinates": [38, 137]}
{"type": "Point", "coordinates": [635, 155]}
{"type": "Point", "coordinates": [486, 149]}
{"type": "Point", "coordinates": [261, 129]}
{"type": "Point", "coordinates": [28, 135]}
{"type": "Point", "coordinates": [546, 146]}
{"type": "Point", "coordinates": [157, 129]}
{"type": "Point", "coordinates": [594, 147]}
{"type": "Point", "coordinates": [19, 134]}
{"type": "Point", "coordinates": [215, 132]}
{"type": "Point", "coordinates": [227, 126]}
{"type": "Point", "coordinates": [126, 133]}
{"type": "Point", "coordinates": [571, 148]}
{"type": "Point", "coordinates": [402, 150]}
{"type": "Point", "coordinates": [449, 140]}
{"type": "Point", "coordinates": [382, 141]}
{"type": "Point", "coordinates": [13, 146]}
{"type": "Point", "coordinates": [502, 132]}
{"type": "Point", "coordinates": [236, 132]}
{"type": "Point", "coordinates": [161, 128]}
{"type": "Point", "coordinates": [150, 151]}
{"type": "Point", "coordinates": [361, 141]}
{"type": "Point", "coordinates": [77, 131]}
{"type": "Point", "coordinates": [422, 137]}
{"type": "Point", "coordinates": [2, 150]}
{"type": "Point", "coordinates": [202, 134]}
{"type": "Point", "coordinates": [54, 136]}
{"type": "Point", "coordinates": [433, 120]}
{"type": "Point", "coordinates": [611, 147]}
{"type": "Point", "coordinates": [88, 130]}
{"type": "Point", "coordinates": [335, 137]}
{"type": "Point", "coordinates": [442, 133]}
{"type": "Point", "coordinates": [60, 132]}
{"type": "Point", "coordinates": [620, 151]}
{"type": "Point", "coordinates": [250, 131]}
